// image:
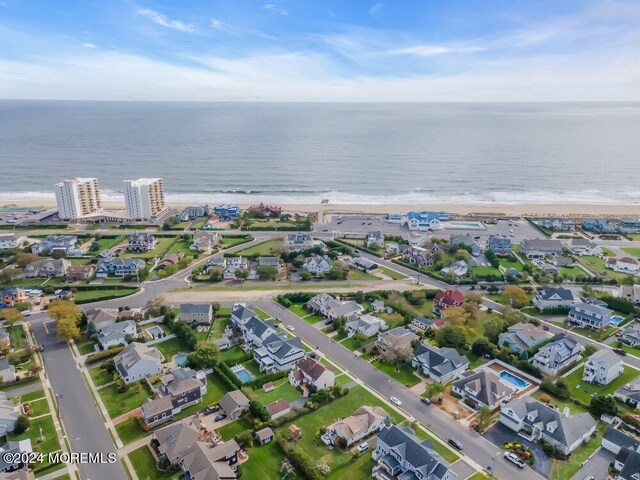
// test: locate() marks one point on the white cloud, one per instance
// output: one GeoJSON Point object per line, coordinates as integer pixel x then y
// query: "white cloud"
{"type": "Point", "coordinates": [88, 45]}
{"type": "Point", "coordinates": [165, 21]}
{"type": "Point", "coordinates": [275, 9]}
{"type": "Point", "coordinates": [432, 50]}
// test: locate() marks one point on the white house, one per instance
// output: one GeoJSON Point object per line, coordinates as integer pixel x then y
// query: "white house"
{"type": "Point", "coordinates": [483, 387]}
{"type": "Point", "coordinates": [583, 246]}
{"type": "Point", "coordinates": [623, 265]}
{"type": "Point", "coordinates": [12, 240]}
{"type": "Point", "coordinates": [195, 313]}
{"type": "Point", "coordinates": [555, 356]}
{"type": "Point", "coordinates": [602, 367]}
{"type": "Point", "coordinates": [422, 221]}
{"type": "Point", "coordinates": [318, 264]}
{"type": "Point", "coordinates": [298, 241]}
{"type": "Point", "coordinates": [137, 361]}
{"type": "Point", "coordinates": [367, 324]}
{"type": "Point", "coordinates": [552, 298]}
{"type": "Point", "coordinates": [362, 423]}
{"type": "Point", "coordinates": [375, 238]}
{"type": "Point", "coordinates": [115, 334]}
{"type": "Point", "coordinates": [522, 336]}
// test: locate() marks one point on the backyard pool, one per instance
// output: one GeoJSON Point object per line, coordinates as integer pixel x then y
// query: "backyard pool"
{"type": "Point", "coordinates": [616, 319]}
{"type": "Point", "coordinates": [512, 379]}
{"type": "Point", "coordinates": [242, 373]}
{"type": "Point", "coordinates": [180, 359]}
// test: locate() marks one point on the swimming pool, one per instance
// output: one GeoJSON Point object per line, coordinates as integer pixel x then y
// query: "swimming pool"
{"type": "Point", "coordinates": [616, 319]}
{"type": "Point", "coordinates": [243, 375]}
{"type": "Point", "coordinates": [465, 225]}
{"type": "Point", "coordinates": [180, 359]}
{"type": "Point", "coordinates": [512, 379]}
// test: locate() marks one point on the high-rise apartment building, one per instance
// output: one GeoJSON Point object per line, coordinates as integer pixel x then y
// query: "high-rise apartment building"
{"type": "Point", "coordinates": [144, 198]}
{"type": "Point", "coordinates": [78, 198]}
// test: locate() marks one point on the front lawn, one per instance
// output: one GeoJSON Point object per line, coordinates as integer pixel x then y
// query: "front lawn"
{"type": "Point", "coordinates": [145, 465]}
{"type": "Point", "coordinates": [233, 241]}
{"type": "Point", "coordinates": [568, 468]}
{"type": "Point", "coordinates": [354, 344]}
{"type": "Point", "coordinates": [299, 310]}
{"type": "Point", "coordinates": [98, 294]}
{"type": "Point", "coordinates": [164, 243]}
{"type": "Point", "coordinates": [272, 248]}
{"type": "Point", "coordinates": [17, 337]}
{"type": "Point", "coordinates": [360, 275]}
{"type": "Point", "coordinates": [557, 403]}
{"type": "Point", "coordinates": [39, 407]}
{"type": "Point", "coordinates": [119, 403]}
{"type": "Point", "coordinates": [130, 430]}
{"type": "Point", "coordinates": [264, 463]}
{"type": "Point", "coordinates": [392, 274]}
{"type": "Point", "coordinates": [584, 391]}
{"type": "Point", "coordinates": [634, 251]}
{"type": "Point", "coordinates": [50, 444]}
{"type": "Point", "coordinates": [100, 376]}
{"type": "Point", "coordinates": [403, 375]}
{"type": "Point", "coordinates": [28, 397]}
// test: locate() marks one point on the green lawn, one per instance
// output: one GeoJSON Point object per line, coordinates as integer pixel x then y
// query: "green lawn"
{"type": "Point", "coordinates": [145, 465]}
{"type": "Point", "coordinates": [359, 275]}
{"type": "Point", "coordinates": [264, 463]}
{"type": "Point", "coordinates": [183, 246]}
{"type": "Point", "coordinates": [298, 309]}
{"type": "Point", "coordinates": [17, 337]}
{"type": "Point", "coordinates": [559, 404]}
{"type": "Point", "coordinates": [353, 344]}
{"type": "Point", "coordinates": [96, 294]}
{"type": "Point", "coordinates": [261, 315]}
{"type": "Point", "coordinates": [85, 345]}
{"type": "Point", "coordinates": [233, 241]}
{"type": "Point", "coordinates": [596, 265]}
{"type": "Point", "coordinates": [586, 390]}
{"type": "Point", "coordinates": [405, 374]}
{"type": "Point", "coordinates": [163, 244]}
{"type": "Point", "coordinates": [120, 403]}
{"type": "Point", "coordinates": [50, 443]}
{"type": "Point", "coordinates": [283, 390]}
{"type": "Point", "coordinates": [634, 251]}
{"type": "Point", "coordinates": [110, 242]}
{"type": "Point", "coordinates": [130, 430]}
{"type": "Point", "coordinates": [100, 376]}
{"type": "Point", "coordinates": [28, 397]}
{"type": "Point", "coordinates": [342, 380]}
{"type": "Point", "coordinates": [567, 469]}
{"type": "Point", "coordinates": [219, 325]}
{"type": "Point", "coordinates": [39, 407]}
{"type": "Point", "coordinates": [273, 247]}
{"type": "Point", "coordinates": [170, 347]}
{"type": "Point", "coordinates": [313, 319]}
{"type": "Point", "coordinates": [358, 469]}
{"type": "Point", "coordinates": [232, 355]}
{"type": "Point", "coordinates": [232, 429]}
{"type": "Point", "coordinates": [392, 274]}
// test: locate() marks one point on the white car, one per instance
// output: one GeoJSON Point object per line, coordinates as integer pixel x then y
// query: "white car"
{"type": "Point", "coordinates": [513, 458]}
{"type": "Point", "coordinates": [363, 446]}
{"type": "Point", "coordinates": [396, 401]}
{"type": "Point", "coordinates": [290, 327]}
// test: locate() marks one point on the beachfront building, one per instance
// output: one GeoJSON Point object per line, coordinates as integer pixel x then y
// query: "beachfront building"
{"type": "Point", "coordinates": [374, 238]}
{"type": "Point", "coordinates": [553, 298]}
{"type": "Point", "coordinates": [522, 336]}
{"type": "Point", "coordinates": [556, 356]}
{"type": "Point", "coordinates": [422, 221]}
{"type": "Point", "coordinates": [78, 198]}
{"type": "Point", "coordinates": [296, 242]}
{"type": "Point", "coordinates": [599, 225]}
{"type": "Point", "coordinates": [499, 244]}
{"type": "Point", "coordinates": [590, 314]}
{"type": "Point", "coordinates": [538, 248]}
{"type": "Point", "coordinates": [144, 198]}
{"type": "Point", "coordinates": [557, 224]}
{"type": "Point", "coordinates": [603, 367]}
{"type": "Point", "coordinates": [195, 212]}
{"type": "Point", "coordinates": [226, 211]}
{"type": "Point", "coordinates": [629, 225]}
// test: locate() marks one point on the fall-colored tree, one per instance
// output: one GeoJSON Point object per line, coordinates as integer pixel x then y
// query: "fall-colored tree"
{"type": "Point", "coordinates": [11, 315]}
{"type": "Point", "coordinates": [67, 328]}
{"type": "Point", "coordinates": [64, 309]}
{"type": "Point", "coordinates": [516, 295]}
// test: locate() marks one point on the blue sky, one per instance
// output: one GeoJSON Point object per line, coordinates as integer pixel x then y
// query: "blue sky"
{"type": "Point", "coordinates": [349, 50]}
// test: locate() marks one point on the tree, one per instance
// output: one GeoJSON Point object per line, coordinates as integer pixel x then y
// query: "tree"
{"type": "Point", "coordinates": [205, 355]}
{"type": "Point", "coordinates": [484, 417]}
{"type": "Point", "coordinates": [22, 425]}
{"type": "Point", "coordinates": [23, 259]}
{"type": "Point", "coordinates": [517, 296]}
{"type": "Point", "coordinates": [450, 336]}
{"type": "Point", "coordinates": [603, 404]}
{"type": "Point", "coordinates": [434, 389]}
{"type": "Point", "coordinates": [7, 274]}
{"type": "Point", "coordinates": [482, 347]}
{"type": "Point", "coordinates": [358, 296]}
{"type": "Point", "coordinates": [34, 370]}
{"type": "Point", "coordinates": [245, 440]}
{"type": "Point", "coordinates": [11, 315]}
{"type": "Point", "coordinates": [68, 328]}
{"type": "Point", "coordinates": [258, 410]}
{"type": "Point", "coordinates": [241, 274]}
{"type": "Point", "coordinates": [267, 272]}
{"type": "Point", "coordinates": [217, 274]}
{"type": "Point", "coordinates": [64, 309]}
{"type": "Point", "coordinates": [398, 355]}
{"type": "Point", "coordinates": [589, 350]}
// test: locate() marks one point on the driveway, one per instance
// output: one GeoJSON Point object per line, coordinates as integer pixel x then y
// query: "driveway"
{"type": "Point", "coordinates": [500, 434]}
{"type": "Point", "coordinates": [598, 466]}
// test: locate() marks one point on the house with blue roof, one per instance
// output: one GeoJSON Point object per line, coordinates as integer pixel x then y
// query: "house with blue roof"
{"type": "Point", "coordinates": [599, 225]}
{"type": "Point", "coordinates": [423, 221]}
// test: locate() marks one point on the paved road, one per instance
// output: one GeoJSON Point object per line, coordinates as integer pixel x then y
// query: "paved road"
{"type": "Point", "coordinates": [598, 466]}
{"type": "Point", "coordinates": [82, 423]}
{"type": "Point", "coordinates": [479, 449]}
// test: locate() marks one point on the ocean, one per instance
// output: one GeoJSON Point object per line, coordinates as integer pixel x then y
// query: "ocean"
{"type": "Point", "coordinates": [356, 153]}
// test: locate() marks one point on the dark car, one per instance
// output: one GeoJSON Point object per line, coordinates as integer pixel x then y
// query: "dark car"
{"type": "Point", "coordinates": [211, 409]}
{"type": "Point", "coordinates": [425, 400]}
{"type": "Point", "coordinates": [222, 416]}
{"type": "Point", "coordinates": [455, 443]}
{"type": "Point", "coordinates": [619, 351]}
{"type": "Point", "coordinates": [328, 321]}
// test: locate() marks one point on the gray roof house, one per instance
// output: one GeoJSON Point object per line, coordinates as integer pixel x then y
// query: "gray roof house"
{"type": "Point", "coordinates": [137, 361]}
{"type": "Point", "coordinates": [53, 243]}
{"type": "Point", "coordinates": [8, 414]}
{"type": "Point", "coordinates": [590, 315]}
{"type": "Point", "coordinates": [564, 431]}
{"type": "Point", "coordinates": [401, 454]}
{"type": "Point", "coordinates": [278, 353]}
{"type": "Point", "coordinates": [10, 452]}
{"type": "Point", "coordinates": [234, 403]}
{"type": "Point", "coordinates": [629, 393]}
{"type": "Point", "coordinates": [180, 388]}
{"type": "Point", "coordinates": [603, 367]}
{"type": "Point", "coordinates": [7, 371]}
{"type": "Point", "coordinates": [205, 241]}
{"type": "Point", "coordinates": [317, 264]}
{"type": "Point", "coordinates": [551, 298]}
{"type": "Point", "coordinates": [298, 241]}
{"type": "Point", "coordinates": [374, 238]}
{"type": "Point", "coordinates": [535, 248]}
{"type": "Point", "coordinates": [329, 307]}
{"type": "Point", "coordinates": [627, 463]}
{"type": "Point", "coordinates": [367, 324]}
{"type": "Point", "coordinates": [116, 334]}
{"type": "Point", "coordinates": [175, 440]}
{"type": "Point", "coordinates": [499, 244]}
{"type": "Point", "coordinates": [483, 387]}
{"type": "Point", "coordinates": [363, 264]}
{"type": "Point", "coordinates": [269, 262]}
{"type": "Point", "coordinates": [439, 364]}
{"type": "Point", "coordinates": [631, 335]}
{"type": "Point", "coordinates": [522, 336]}
{"type": "Point", "coordinates": [557, 355]}
{"type": "Point", "coordinates": [101, 317]}
{"type": "Point", "coordinates": [49, 267]}
{"type": "Point", "coordinates": [466, 240]}
{"type": "Point", "coordinates": [141, 242]}
{"type": "Point", "coordinates": [118, 266]}
{"type": "Point", "coordinates": [241, 314]}
{"type": "Point", "coordinates": [614, 440]}
{"type": "Point", "coordinates": [195, 313]}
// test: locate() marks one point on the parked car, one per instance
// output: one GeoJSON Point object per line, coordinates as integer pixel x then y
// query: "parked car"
{"type": "Point", "coordinates": [425, 400]}
{"type": "Point", "coordinates": [220, 417]}
{"type": "Point", "coordinates": [513, 458]}
{"type": "Point", "coordinates": [620, 352]}
{"type": "Point", "coordinates": [455, 443]}
{"type": "Point", "coordinates": [363, 446]}
{"type": "Point", "coordinates": [619, 334]}
{"type": "Point", "coordinates": [211, 409]}
{"type": "Point", "coordinates": [290, 327]}
{"type": "Point", "coordinates": [396, 400]}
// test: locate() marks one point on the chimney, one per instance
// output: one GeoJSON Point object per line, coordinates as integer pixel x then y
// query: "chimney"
{"type": "Point", "coordinates": [565, 411]}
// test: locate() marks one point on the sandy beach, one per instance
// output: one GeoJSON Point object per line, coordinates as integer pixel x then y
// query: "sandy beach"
{"type": "Point", "coordinates": [460, 209]}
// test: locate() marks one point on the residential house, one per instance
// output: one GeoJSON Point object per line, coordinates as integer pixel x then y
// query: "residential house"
{"type": "Point", "coordinates": [584, 246]}
{"type": "Point", "coordinates": [484, 387]}
{"type": "Point", "coordinates": [120, 267]}
{"type": "Point", "coordinates": [549, 269]}
{"type": "Point", "coordinates": [455, 241]}
{"type": "Point", "coordinates": [175, 440]}
{"type": "Point", "coordinates": [401, 454]}
{"type": "Point", "coordinates": [363, 264]}
{"type": "Point", "coordinates": [603, 367]}
{"type": "Point", "coordinates": [195, 313]}
{"type": "Point", "coordinates": [269, 262]}
{"type": "Point", "coordinates": [367, 324]}
{"type": "Point", "coordinates": [458, 268]}
{"type": "Point", "coordinates": [590, 314]}
{"type": "Point", "coordinates": [420, 256]}
{"type": "Point", "coordinates": [557, 355]}
{"type": "Point", "coordinates": [202, 462]}
{"type": "Point", "coordinates": [422, 221]}
{"type": "Point", "coordinates": [137, 361]}
{"type": "Point", "coordinates": [627, 463]}
{"type": "Point", "coordinates": [541, 422]}
{"type": "Point", "coordinates": [562, 261]}
{"type": "Point", "coordinates": [398, 339]}
{"type": "Point", "coordinates": [631, 336]}
{"type": "Point", "coordinates": [629, 393]}
{"type": "Point", "coordinates": [267, 210]}
{"type": "Point", "coordinates": [558, 224]}
{"type": "Point", "coordinates": [205, 241]}
{"type": "Point", "coordinates": [141, 242]}
{"type": "Point", "coordinates": [278, 408]}
{"type": "Point", "coordinates": [444, 300]}
{"type": "Point", "coordinates": [439, 364]}
{"type": "Point", "coordinates": [331, 308]}
{"type": "Point", "coordinates": [630, 292]}
{"type": "Point", "coordinates": [374, 238]}
{"type": "Point", "coordinates": [12, 240]}
{"type": "Point", "coordinates": [422, 324]}
{"type": "Point", "coordinates": [234, 404]}
{"type": "Point", "coordinates": [170, 259]}
{"type": "Point", "coordinates": [296, 242]}
{"type": "Point", "coordinates": [180, 388]}
{"type": "Point", "coordinates": [499, 244]}
{"type": "Point", "coordinates": [317, 264]}
{"type": "Point", "coordinates": [629, 225]}
{"type": "Point", "coordinates": [5, 338]}
{"type": "Point", "coordinates": [360, 424]}
{"type": "Point", "coordinates": [312, 373]}
{"type": "Point", "coordinates": [13, 295]}
{"type": "Point", "coordinates": [278, 353]}
{"type": "Point", "coordinates": [230, 211]}
{"type": "Point", "coordinates": [241, 314]}
{"type": "Point", "coordinates": [615, 440]}
{"type": "Point", "coordinates": [8, 414]}
{"type": "Point", "coordinates": [417, 239]}
{"type": "Point", "coordinates": [55, 243]}
{"type": "Point", "coordinates": [116, 334]}
{"type": "Point", "coordinates": [195, 212]}
{"type": "Point", "coordinates": [78, 273]}
{"type": "Point", "coordinates": [377, 306]}
{"type": "Point", "coordinates": [216, 263]}
{"type": "Point", "coordinates": [522, 337]}
{"type": "Point", "coordinates": [553, 298]}
{"type": "Point", "coordinates": [537, 248]}
{"type": "Point", "coordinates": [623, 265]}
{"type": "Point", "coordinates": [101, 317]}
{"type": "Point", "coordinates": [264, 435]}
{"type": "Point", "coordinates": [12, 456]}
{"type": "Point", "coordinates": [49, 267]}
{"type": "Point", "coordinates": [599, 225]}
{"type": "Point", "coordinates": [236, 263]}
